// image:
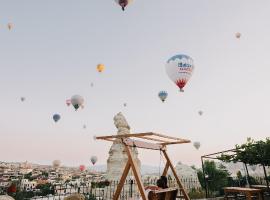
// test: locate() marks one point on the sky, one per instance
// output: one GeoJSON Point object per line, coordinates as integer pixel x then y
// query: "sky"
{"type": "Point", "coordinates": [52, 51]}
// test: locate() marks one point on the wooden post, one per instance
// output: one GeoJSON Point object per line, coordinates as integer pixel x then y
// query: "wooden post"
{"type": "Point", "coordinates": [166, 168]}
{"type": "Point", "coordinates": [175, 175]}
{"type": "Point", "coordinates": [266, 179]}
{"type": "Point", "coordinates": [135, 172]}
{"type": "Point", "coordinates": [122, 181]}
{"type": "Point", "coordinates": [205, 181]}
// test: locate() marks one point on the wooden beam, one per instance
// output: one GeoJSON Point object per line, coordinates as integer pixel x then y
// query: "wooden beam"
{"type": "Point", "coordinates": [166, 136]}
{"type": "Point", "coordinates": [230, 150]}
{"type": "Point", "coordinates": [140, 135]}
{"type": "Point", "coordinates": [177, 142]}
{"type": "Point", "coordinates": [182, 189]}
{"type": "Point", "coordinates": [149, 138]}
{"type": "Point", "coordinates": [123, 135]}
{"type": "Point", "coordinates": [110, 140]}
{"type": "Point", "coordinates": [122, 181]}
{"type": "Point", "coordinates": [136, 174]}
{"type": "Point", "coordinates": [141, 144]}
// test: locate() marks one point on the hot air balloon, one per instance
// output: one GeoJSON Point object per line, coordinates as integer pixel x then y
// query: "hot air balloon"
{"type": "Point", "coordinates": [93, 160]}
{"type": "Point", "coordinates": [10, 26]}
{"type": "Point", "coordinates": [77, 101]}
{"type": "Point", "coordinates": [22, 99]}
{"type": "Point", "coordinates": [179, 69]}
{"type": "Point", "coordinates": [162, 95]}
{"type": "Point", "coordinates": [197, 145]}
{"type": "Point", "coordinates": [253, 167]}
{"type": "Point", "coordinates": [100, 68]}
{"type": "Point", "coordinates": [56, 117]}
{"type": "Point", "coordinates": [56, 163]}
{"type": "Point", "coordinates": [82, 168]}
{"type": "Point", "coordinates": [200, 112]}
{"type": "Point", "coordinates": [68, 102]}
{"type": "Point", "coordinates": [238, 35]}
{"type": "Point", "coordinates": [123, 3]}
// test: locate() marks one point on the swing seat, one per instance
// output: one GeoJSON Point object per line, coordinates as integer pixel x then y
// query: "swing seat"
{"type": "Point", "coordinates": [163, 194]}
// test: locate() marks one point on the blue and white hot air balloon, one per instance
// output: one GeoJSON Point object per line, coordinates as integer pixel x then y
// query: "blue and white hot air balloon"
{"type": "Point", "coordinates": [162, 95]}
{"type": "Point", "coordinates": [179, 69]}
{"type": "Point", "coordinates": [56, 117]}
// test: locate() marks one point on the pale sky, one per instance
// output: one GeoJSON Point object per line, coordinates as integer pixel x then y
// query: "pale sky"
{"type": "Point", "coordinates": [53, 49]}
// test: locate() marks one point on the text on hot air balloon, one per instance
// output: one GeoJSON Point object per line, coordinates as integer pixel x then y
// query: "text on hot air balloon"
{"type": "Point", "coordinates": [185, 65]}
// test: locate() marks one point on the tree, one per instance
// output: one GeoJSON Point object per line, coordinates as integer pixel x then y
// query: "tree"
{"type": "Point", "coordinates": [217, 176]}
{"type": "Point", "coordinates": [28, 176]}
{"type": "Point", "coordinates": [45, 189]}
{"type": "Point", "coordinates": [22, 195]}
{"type": "Point", "coordinates": [252, 153]}
{"type": "Point", "coordinates": [45, 174]}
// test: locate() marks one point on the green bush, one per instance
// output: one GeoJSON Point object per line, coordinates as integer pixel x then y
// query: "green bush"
{"type": "Point", "coordinates": [90, 197]}
{"type": "Point", "coordinates": [196, 194]}
{"type": "Point", "coordinates": [24, 195]}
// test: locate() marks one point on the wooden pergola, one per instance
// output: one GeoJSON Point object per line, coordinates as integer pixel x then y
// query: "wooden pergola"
{"type": "Point", "coordinates": [149, 140]}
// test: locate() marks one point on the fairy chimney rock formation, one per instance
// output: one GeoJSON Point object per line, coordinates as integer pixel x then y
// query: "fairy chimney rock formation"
{"type": "Point", "coordinates": [117, 154]}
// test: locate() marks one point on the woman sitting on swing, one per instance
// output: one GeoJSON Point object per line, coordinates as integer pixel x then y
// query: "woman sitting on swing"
{"type": "Point", "coordinates": [161, 184]}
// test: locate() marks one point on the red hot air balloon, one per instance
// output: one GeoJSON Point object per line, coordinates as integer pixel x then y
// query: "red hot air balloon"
{"type": "Point", "coordinates": [82, 168]}
{"type": "Point", "coordinates": [68, 102]}
{"type": "Point", "coordinates": [123, 3]}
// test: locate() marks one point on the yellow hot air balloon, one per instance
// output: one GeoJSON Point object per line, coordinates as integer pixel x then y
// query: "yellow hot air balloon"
{"type": "Point", "coordinates": [100, 68]}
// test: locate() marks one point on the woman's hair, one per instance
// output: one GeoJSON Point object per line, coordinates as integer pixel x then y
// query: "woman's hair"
{"type": "Point", "coordinates": [165, 181]}
{"type": "Point", "coordinates": [160, 183]}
